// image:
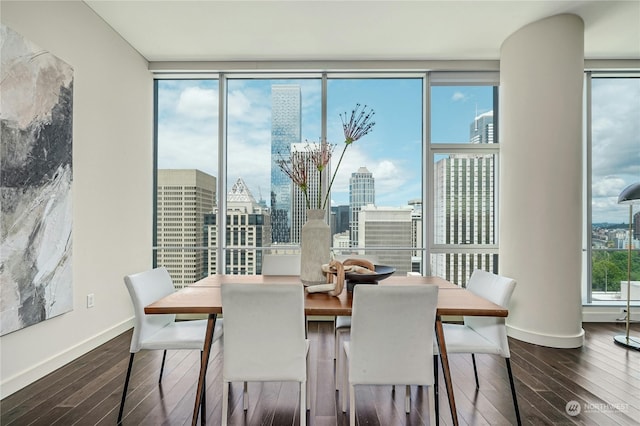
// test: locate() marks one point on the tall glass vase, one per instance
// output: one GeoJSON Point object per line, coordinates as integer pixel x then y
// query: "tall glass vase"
{"type": "Point", "coordinates": [315, 248]}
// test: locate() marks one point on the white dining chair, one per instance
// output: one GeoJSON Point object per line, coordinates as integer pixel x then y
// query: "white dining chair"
{"type": "Point", "coordinates": [281, 264]}
{"type": "Point", "coordinates": [484, 335]}
{"type": "Point", "coordinates": [342, 324]}
{"type": "Point", "coordinates": [391, 349]}
{"type": "Point", "coordinates": [160, 332]}
{"type": "Point", "coordinates": [264, 339]}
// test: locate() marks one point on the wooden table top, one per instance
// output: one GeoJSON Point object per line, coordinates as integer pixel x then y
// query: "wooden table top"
{"type": "Point", "coordinates": [204, 297]}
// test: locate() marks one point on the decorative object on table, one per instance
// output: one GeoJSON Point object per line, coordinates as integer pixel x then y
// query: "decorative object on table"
{"type": "Point", "coordinates": [315, 240]}
{"type": "Point", "coordinates": [380, 273]}
{"type": "Point", "coordinates": [630, 195]}
{"type": "Point", "coordinates": [36, 219]}
{"type": "Point", "coordinates": [351, 271]}
{"type": "Point", "coordinates": [314, 247]}
{"type": "Point", "coordinates": [331, 269]}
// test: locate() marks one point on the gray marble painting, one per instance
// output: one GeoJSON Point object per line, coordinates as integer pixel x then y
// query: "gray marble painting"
{"type": "Point", "coordinates": [36, 100]}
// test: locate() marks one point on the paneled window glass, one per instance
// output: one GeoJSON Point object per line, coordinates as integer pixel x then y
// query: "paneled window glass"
{"type": "Point", "coordinates": [464, 142]}
{"type": "Point", "coordinates": [376, 197]}
{"type": "Point", "coordinates": [376, 200]}
{"type": "Point", "coordinates": [186, 170]}
{"type": "Point", "coordinates": [615, 164]}
{"type": "Point", "coordinates": [267, 119]}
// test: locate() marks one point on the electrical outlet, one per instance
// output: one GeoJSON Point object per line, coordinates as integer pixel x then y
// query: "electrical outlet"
{"type": "Point", "coordinates": [90, 300]}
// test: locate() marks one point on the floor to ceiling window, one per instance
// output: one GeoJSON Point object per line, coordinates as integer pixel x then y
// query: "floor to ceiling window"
{"type": "Point", "coordinates": [186, 170]}
{"type": "Point", "coordinates": [378, 187]}
{"type": "Point", "coordinates": [431, 145]}
{"type": "Point", "coordinates": [267, 119]}
{"type": "Point", "coordinates": [614, 162]}
{"type": "Point", "coordinates": [464, 152]}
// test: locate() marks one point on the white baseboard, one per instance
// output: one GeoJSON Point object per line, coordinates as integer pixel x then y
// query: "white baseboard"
{"type": "Point", "coordinates": [609, 314]}
{"type": "Point", "coordinates": [36, 372]}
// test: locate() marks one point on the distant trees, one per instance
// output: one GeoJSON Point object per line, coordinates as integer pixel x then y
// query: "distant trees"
{"type": "Point", "coordinates": [608, 268]}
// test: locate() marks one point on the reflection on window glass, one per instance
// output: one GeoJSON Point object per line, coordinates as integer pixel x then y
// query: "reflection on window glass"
{"type": "Point", "coordinates": [187, 161]}
{"type": "Point", "coordinates": [615, 135]}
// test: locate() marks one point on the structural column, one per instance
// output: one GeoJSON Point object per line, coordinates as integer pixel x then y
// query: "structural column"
{"type": "Point", "coordinates": [541, 95]}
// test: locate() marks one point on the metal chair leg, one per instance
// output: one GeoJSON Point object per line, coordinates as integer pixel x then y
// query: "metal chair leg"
{"type": "Point", "coordinates": [126, 386]}
{"type": "Point", "coordinates": [513, 391]}
{"type": "Point", "coordinates": [475, 370]}
{"type": "Point", "coordinates": [435, 389]}
{"type": "Point", "coordinates": [203, 401]}
{"type": "Point", "coordinates": [164, 357]}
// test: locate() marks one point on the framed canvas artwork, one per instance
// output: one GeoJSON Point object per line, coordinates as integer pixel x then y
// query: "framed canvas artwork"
{"type": "Point", "coordinates": [36, 175]}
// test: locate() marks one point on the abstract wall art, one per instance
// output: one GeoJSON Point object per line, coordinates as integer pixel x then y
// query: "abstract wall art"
{"type": "Point", "coordinates": [36, 105]}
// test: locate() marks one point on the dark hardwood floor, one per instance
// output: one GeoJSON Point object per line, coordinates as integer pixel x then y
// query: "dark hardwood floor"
{"type": "Point", "coordinates": [602, 377]}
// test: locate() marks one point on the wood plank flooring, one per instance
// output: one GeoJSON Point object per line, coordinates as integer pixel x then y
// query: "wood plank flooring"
{"type": "Point", "coordinates": [601, 377]}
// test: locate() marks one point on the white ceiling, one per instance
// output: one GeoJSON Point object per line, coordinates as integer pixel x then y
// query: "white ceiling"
{"type": "Point", "coordinates": [211, 30]}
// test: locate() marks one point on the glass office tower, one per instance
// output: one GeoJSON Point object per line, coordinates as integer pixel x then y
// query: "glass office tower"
{"type": "Point", "coordinates": [362, 192]}
{"type": "Point", "coordinates": [285, 129]}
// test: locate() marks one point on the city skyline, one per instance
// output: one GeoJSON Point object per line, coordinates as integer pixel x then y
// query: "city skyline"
{"type": "Point", "coordinates": [187, 111]}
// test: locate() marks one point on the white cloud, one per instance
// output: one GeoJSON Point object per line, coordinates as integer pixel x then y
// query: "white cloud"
{"type": "Point", "coordinates": [609, 186]}
{"type": "Point", "coordinates": [458, 96]}
{"type": "Point", "coordinates": [615, 145]}
{"type": "Point", "coordinates": [393, 180]}
{"type": "Point", "coordinates": [198, 103]}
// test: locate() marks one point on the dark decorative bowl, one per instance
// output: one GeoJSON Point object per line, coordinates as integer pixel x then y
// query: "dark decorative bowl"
{"type": "Point", "coordinates": [382, 272]}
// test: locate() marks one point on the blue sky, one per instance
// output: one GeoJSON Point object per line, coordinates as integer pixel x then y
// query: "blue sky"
{"type": "Point", "coordinates": [392, 151]}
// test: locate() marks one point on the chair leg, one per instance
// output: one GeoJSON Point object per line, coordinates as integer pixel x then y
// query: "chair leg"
{"type": "Point", "coordinates": [303, 403]}
{"type": "Point", "coordinates": [433, 410]}
{"type": "Point", "coordinates": [338, 355]}
{"type": "Point", "coordinates": [435, 390]}
{"type": "Point", "coordinates": [245, 396]}
{"type": "Point", "coordinates": [164, 357]}
{"type": "Point", "coordinates": [345, 381]}
{"type": "Point", "coordinates": [336, 340]}
{"type": "Point", "coordinates": [407, 399]}
{"type": "Point", "coordinates": [126, 386]}
{"type": "Point", "coordinates": [225, 402]}
{"type": "Point", "coordinates": [513, 391]}
{"type": "Point", "coordinates": [352, 404]}
{"type": "Point", "coordinates": [308, 387]}
{"type": "Point", "coordinates": [475, 370]}
{"type": "Point", "coordinates": [203, 401]}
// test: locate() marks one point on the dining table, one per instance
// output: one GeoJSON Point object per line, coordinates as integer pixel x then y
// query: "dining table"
{"type": "Point", "coordinates": [204, 297]}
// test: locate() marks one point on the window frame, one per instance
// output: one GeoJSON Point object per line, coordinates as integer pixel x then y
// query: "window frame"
{"type": "Point", "coordinates": [591, 73]}
{"type": "Point", "coordinates": [430, 77]}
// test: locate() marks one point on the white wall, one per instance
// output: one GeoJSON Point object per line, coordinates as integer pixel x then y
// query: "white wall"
{"type": "Point", "coordinates": [112, 184]}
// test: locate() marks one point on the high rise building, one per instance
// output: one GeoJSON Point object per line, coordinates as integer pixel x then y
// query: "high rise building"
{"type": "Point", "coordinates": [285, 129]}
{"type": "Point", "coordinates": [391, 229]}
{"type": "Point", "coordinates": [184, 196]}
{"type": "Point", "coordinates": [481, 130]}
{"type": "Point", "coordinates": [340, 219]}
{"type": "Point", "coordinates": [465, 206]}
{"type": "Point", "coordinates": [248, 227]}
{"type": "Point", "coordinates": [301, 152]}
{"type": "Point", "coordinates": [361, 193]}
{"type": "Point", "coordinates": [416, 234]}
